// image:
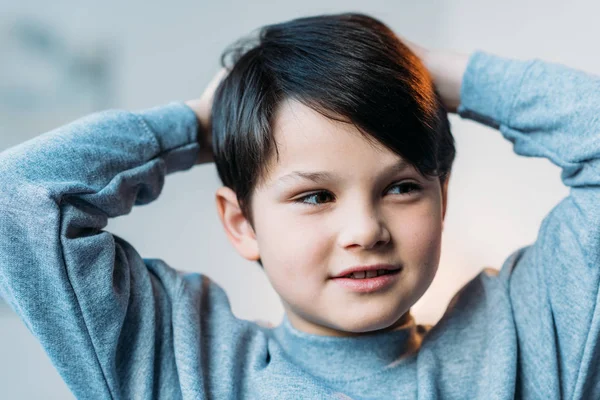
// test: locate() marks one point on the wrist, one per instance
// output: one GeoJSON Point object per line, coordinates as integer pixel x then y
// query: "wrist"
{"type": "Point", "coordinates": [197, 106]}
{"type": "Point", "coordinates": [204, 136]}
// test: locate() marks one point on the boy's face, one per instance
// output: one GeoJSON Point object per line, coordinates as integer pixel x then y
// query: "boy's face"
{"type": "Point", "coordinates": [357, 210]}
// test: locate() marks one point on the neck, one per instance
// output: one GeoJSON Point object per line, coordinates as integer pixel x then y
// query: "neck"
{"type": "Point", "coordinates": [355, 355]}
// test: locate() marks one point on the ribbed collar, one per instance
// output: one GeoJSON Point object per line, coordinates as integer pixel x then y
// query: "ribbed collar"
{"type": "Point", "coordinates": [348, 358]}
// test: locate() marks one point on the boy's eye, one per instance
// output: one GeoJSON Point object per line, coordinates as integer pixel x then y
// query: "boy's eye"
{"type": "Point", "coordinates": [407, 188]}
{"type": "Point", "coordinates": [317, 198]}
{"type": "Point", "coordinates": [314, 199]}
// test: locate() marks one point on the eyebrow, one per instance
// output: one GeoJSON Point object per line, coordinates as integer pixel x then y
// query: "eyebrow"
{"type": "Point", "coordinates": [322, 176]}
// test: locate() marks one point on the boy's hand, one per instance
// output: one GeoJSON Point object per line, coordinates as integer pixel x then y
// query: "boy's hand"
{"type": "Point", "coordinates": [446, 69]}
{"type": "Point", "coordinates": [202, 107]}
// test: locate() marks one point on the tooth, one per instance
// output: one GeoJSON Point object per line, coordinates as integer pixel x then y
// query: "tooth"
{"type": "Point", "coordinates": [359, 275]}
{"type": "Point", "coordinates": [371, 274]}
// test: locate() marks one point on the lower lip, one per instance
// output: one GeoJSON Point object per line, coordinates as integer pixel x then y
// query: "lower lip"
{"type": "Point", "coordinates": [368, 285]}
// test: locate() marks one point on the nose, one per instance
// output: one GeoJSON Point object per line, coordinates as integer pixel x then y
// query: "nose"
{"type": "Point", "coordinates": [364, 229]}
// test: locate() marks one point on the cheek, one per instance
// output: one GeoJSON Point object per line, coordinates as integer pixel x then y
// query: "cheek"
{"type": "Point", "coordinates": [293, 249]}
{"type": "Point", "coordinates": [419, 240]}
{"type": "Point", "coordinates": [422, 236]}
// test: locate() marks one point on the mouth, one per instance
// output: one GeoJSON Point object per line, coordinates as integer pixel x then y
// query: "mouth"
{"type": "Point", "coordinates": [374, 273]}
{"type": "Point", "coordinates": [368, 271]}
{"type": "Point", "coordinates": [367, 279]}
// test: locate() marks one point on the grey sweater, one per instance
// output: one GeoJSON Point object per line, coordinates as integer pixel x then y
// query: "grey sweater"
{"type": "Point", "coordinates": [118, 326]}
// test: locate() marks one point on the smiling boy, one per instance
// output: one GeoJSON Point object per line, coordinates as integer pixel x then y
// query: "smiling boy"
{"type": "Point", "coordinates": [345, 215]}
{"type": "Point", "coordinates": [341, 196]}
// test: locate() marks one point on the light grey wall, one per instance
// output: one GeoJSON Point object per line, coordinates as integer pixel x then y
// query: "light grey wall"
{"type": "Point", "coordinates": [163, 53]}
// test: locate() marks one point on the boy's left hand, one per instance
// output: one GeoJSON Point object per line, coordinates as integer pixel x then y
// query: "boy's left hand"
{"type": "Point", "coordinates": [446, 68]}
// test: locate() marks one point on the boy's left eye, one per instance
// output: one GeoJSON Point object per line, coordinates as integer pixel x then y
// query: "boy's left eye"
{"type": "Point", "coordinates": [408, 187]}
{"type": "Point", "coordinates": [320, 197]}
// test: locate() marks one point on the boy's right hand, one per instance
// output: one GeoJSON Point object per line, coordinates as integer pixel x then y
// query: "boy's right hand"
{"type": "Point", "coordinates": [203, 107]}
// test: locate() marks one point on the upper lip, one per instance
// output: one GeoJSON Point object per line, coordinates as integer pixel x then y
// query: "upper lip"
{"type": "Point", "coordinates": [358, 268]}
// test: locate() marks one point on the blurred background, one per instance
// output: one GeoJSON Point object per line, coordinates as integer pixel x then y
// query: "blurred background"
{"type": "Point", "coordinates": [69, 59]}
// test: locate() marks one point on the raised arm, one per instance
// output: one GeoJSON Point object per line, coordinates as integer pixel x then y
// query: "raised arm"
{"type": "Point", "coordinates": [85, 294]}
{"type": "Point", "coordinates": [552, 111]}
{"type": "Point", "coordinates": [74, 285]}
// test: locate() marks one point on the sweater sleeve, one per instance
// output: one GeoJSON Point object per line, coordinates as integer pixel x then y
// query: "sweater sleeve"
{"type": "Point", "coordinates": [75, 285]}
{"type": "Point", "coordinates": [552, 111]}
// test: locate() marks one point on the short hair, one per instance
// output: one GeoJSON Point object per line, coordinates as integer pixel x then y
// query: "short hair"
{"type": "Point", "coordinates": [348, 67]}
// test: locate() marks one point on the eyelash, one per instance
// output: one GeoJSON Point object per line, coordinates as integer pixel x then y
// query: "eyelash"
{"type": "Point", "coordinates": [413, 186]}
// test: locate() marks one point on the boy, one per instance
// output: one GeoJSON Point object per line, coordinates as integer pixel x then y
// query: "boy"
{"type": "Point", "coordinates": [344, 214]}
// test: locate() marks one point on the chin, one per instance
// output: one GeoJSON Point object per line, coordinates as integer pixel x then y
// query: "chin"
{"type": "Point", "coordinates": [350, 319]}
{"type": "Point", "coordinates": [370, 323]}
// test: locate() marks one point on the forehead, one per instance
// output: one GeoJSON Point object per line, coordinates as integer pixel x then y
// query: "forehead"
{"type": "Point", "coordinates": [307, 140]}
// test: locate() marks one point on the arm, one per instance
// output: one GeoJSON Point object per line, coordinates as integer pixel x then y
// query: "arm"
{"type": "Point", "coordinates": [75, 285]}
{"type": "Point", "coordinates": [545, 110]}
{"type": "Point", "coordinates": [85, 294]}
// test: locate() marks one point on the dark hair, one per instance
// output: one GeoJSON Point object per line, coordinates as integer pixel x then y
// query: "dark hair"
{"type": "Point", "coordinates": [348, 67]}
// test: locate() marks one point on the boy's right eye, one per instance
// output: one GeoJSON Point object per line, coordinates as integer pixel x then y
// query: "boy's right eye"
{"type": "Point", "coordinates": [314, 199]}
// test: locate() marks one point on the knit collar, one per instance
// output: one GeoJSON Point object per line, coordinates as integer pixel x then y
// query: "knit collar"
{"type": "Point", "coordinates": [348, 358]}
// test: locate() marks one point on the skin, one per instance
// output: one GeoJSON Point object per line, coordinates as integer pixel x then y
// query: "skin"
{"type": "Point", "coordinates": [365, 213]}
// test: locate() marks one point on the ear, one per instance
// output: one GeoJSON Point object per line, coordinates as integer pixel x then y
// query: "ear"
{"type": "Point", "coordinates": [237, 227]}
{"type": "Point", "coordinates": [445, 196]}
